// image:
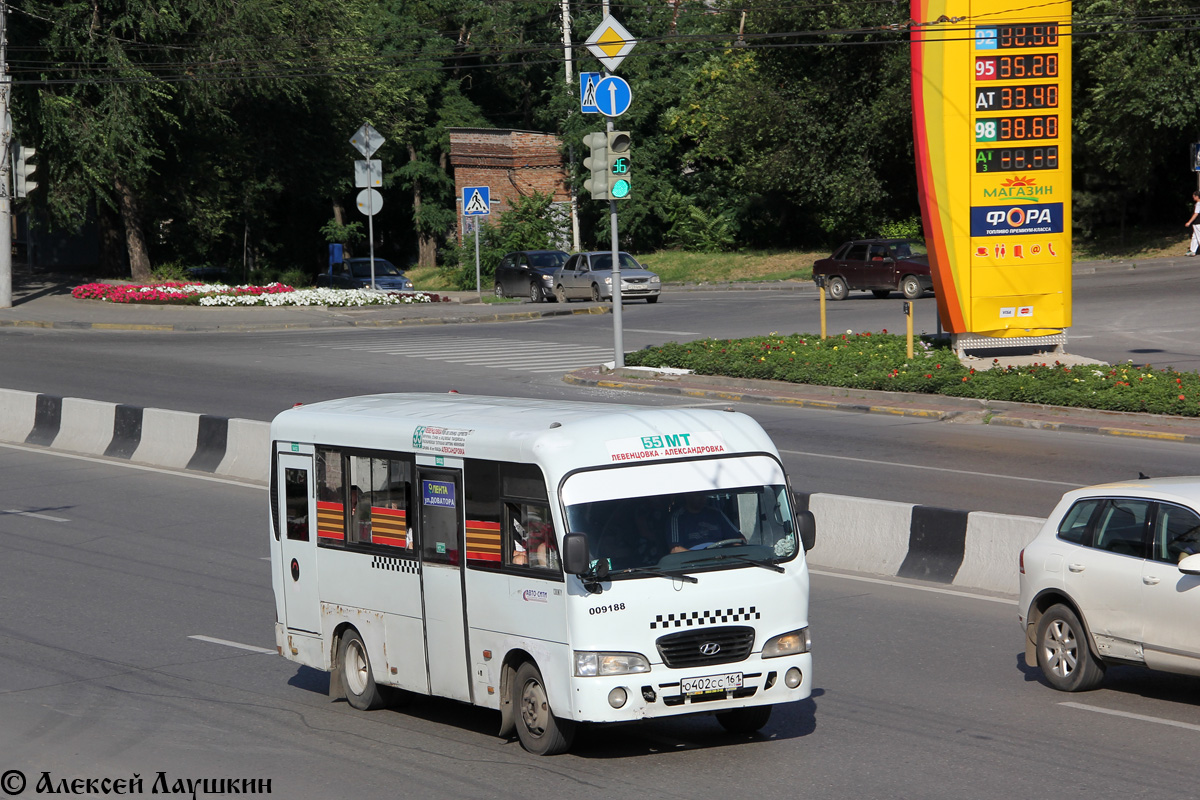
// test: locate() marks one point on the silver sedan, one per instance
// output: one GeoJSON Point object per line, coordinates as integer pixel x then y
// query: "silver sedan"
{"type": "Point", "coordinates": [588, 276]}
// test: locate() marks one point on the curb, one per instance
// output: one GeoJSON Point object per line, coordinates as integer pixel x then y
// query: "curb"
{"type": "Point", "coordinates": [1102, 430]}
{"type": "Point", "coordinates": [513, 316]}
{"type": "Point", "coordinates": [1003, 414]}
{"type": "Point", "coordinates": [760, 397]}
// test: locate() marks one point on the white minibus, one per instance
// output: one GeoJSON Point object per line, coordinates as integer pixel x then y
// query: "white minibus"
{"type": "Point", "coordinates": [561, 563]}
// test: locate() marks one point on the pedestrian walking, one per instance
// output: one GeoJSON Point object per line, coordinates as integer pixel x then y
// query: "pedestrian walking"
{"type": "Point", "coordinates": [1194, 224]}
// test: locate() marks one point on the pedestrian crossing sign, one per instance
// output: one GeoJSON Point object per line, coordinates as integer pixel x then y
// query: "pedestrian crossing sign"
{"type": "Point", "coordinates": [587, 92]}
{"type": "Point", "coordinates": [476, 201]}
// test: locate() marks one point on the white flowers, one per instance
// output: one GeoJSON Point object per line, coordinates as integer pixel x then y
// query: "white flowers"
{"type": "Point", "coordinates": [319, 297]}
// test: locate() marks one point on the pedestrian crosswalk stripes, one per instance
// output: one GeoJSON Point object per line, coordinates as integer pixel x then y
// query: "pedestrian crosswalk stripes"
{"type": "Point", "coordinates": [490, 353]}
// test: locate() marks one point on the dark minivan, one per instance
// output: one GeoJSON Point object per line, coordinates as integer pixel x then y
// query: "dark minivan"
{"type": "Point", "coordinates": [528, 273]}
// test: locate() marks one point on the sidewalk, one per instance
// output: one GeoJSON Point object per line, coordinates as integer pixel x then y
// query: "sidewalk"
{"type": "Point", "coordinates": [924, 406]}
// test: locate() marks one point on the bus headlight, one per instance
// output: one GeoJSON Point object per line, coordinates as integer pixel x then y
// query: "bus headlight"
{"type": "Point", "coordinates": [787, 644]}
{"type": "Point", "coordinates": [589, 665]}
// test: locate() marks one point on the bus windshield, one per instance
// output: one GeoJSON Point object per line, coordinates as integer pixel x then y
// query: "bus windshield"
{"type": "Point", "coordinates": [701, 529]}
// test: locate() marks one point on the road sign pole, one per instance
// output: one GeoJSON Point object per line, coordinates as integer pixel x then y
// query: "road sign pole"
{"type": "Point", "coordinates": [371, 232]}
{"type": "Point", "coordinates": [618, 334]}
{"type": "Point", "coordinates": [478, 284]}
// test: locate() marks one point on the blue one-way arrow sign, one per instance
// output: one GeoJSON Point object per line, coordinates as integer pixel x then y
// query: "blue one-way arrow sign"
{"type": "Point", "coordinates": [613, 96]}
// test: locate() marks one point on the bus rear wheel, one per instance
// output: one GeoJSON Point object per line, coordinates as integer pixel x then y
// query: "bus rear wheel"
{"type": "Point", "coordinates": [540, 732]}
{"type": "Point", "coordinates": [745, 720]}
{"type": "Point", "coordinates": [357, 681]}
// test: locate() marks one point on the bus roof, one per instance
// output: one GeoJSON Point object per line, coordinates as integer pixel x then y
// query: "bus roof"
{"type": "Point", "coordinates": [559, 435]}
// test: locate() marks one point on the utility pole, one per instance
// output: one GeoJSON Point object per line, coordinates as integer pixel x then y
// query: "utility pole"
{"type": "Point", "coordinates": [5, 166]}
{"type": "Point", "coordinates": [567, 57]}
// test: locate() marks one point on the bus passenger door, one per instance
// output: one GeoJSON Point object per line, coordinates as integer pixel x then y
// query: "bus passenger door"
{"type": "Point", "coordinates": [440, 516]}
{"type": "Point", "coordinates": [298, 524]}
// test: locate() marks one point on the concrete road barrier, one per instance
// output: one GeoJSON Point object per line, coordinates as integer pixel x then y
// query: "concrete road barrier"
{"type": "Point", "coordinates": [247, 450]}
{"type": "Point", "coordinates": [971, 550]}
{"type": "Point", "coordinates": [236, 448]}
{"type": "Point", "coordinates": [17, 411]}
{"type": "Point", "coordinates": [85, 426]}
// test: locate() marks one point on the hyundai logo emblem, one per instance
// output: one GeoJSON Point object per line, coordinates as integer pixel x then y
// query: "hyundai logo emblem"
{"type": "Point", "coordinates": [710, 648]}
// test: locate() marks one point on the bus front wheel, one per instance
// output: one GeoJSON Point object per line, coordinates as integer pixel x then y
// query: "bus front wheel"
{"type": "Point", "coordinates": [357, 681]}
{"type": "Point", "coordinates": [540, 732]}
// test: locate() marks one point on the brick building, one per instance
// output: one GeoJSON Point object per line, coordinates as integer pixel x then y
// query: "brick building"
{"type": "Point", "coordinates": [512, 164]}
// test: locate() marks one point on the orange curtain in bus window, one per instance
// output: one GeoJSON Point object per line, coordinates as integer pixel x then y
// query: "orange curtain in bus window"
{"type": "Point", "coordinates": [483, 540]}
{"type": "Point", "coordinates": [331, 525]}
{"type": "Point", "coordinates": [389, 526]}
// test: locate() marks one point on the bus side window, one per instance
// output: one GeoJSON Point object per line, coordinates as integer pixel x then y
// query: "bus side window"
{"type": "Point", "coordinates": [295, 493]}
{"type": "Point", "coordinates": [481, 480]}
{"type": "Point", "coordinates": [331, 526]}
{"type": "Point", "coordinates": [378, 500]}
{"type": "Point", "coordinates": [531, 540]}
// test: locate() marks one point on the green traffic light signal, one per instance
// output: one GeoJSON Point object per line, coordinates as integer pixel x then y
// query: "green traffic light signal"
{"type": "Point", "coordinates": [619, 164]}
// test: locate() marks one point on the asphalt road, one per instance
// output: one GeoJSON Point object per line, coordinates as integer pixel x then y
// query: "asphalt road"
{"type": "Point", "coordinates": [972, 467]}
{"type": "Point", "coordinates": [109, 570]}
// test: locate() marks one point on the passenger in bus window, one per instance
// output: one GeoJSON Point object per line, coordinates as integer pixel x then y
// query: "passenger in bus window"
{"type": "Point", "coordinates": [696, 524]}
{"type": "Point", "coordinates": [533, 539]}
{"type": "Point", "coordinates": [360, 516]}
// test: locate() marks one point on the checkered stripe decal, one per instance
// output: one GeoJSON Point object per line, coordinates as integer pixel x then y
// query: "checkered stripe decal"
{"type": "Point", "coordinates": [697, 618]}
{"type": "Point", "coordinates": [395, 564]}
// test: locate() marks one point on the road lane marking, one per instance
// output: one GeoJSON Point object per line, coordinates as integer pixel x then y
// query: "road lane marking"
{"type": "Point", "coordinates": [1129, 715]}
{"type": "Point", "coordinates": [899, 584]}
{"type": "Point", "coordinates": [228, 643]}
{"type": "Point", "coordinates": [46, 517]}
{"type": "Point", "coordinates": [933, 469]}
{"type": "Point", "coordinates": [669, 333]}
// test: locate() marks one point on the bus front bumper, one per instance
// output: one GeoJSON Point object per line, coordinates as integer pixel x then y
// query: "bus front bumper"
{"type": "Point", "coordinates": [659, 693]}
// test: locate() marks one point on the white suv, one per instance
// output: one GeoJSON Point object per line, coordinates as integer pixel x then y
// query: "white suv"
{"type": "Point", "coordinates": [1114, 578]}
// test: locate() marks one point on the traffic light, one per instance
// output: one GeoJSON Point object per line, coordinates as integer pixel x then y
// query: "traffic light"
{"type": "Point", "coordinates": [597, 164]}
{"type": "Point", "coordinates": [23, 169]}
{"type": "Point", "coordinates": [618, 173]}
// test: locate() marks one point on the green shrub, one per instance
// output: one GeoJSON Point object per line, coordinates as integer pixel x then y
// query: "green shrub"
{"type": "Point", "coordinates": [169, 272]}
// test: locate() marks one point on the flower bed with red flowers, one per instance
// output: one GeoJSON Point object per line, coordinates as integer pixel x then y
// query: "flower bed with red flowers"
{"type": "Point", "coordinates": [272, 294]}
{"type": "Point", "coordinates": [879, 361]}
{"type": "Point", "coordinates": [187, 293]}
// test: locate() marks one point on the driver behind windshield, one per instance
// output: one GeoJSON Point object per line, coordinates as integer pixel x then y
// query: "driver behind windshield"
{"type": "Point", "coordinates": [696, 525]}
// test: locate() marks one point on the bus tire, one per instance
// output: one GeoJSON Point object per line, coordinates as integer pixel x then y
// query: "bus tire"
{"type": "Point", "coordinates": [540, 732]}
{"type": "Point", "coordinates": [745, 721]}
{"type": "Point", "coordinates": [357, 681]}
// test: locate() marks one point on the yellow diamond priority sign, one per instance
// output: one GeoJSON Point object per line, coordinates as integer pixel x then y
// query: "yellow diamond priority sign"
{"type": "Point", "coordinates": [610, 42]}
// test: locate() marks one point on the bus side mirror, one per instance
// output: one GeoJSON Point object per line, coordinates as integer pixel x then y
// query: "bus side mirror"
{"type": "Point", "coordinates": [576, 558]}
{"type": "Point", "coordinates": [806, 526]}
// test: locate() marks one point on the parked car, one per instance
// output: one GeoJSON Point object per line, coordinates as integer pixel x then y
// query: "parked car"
{"type": "Point", "coordinates": [589, 276]}
{"type": "Point", "coordinates": [355, 273]}
{"type": "Point", "coordinates": [1114, 578]}
{"type": "Point", "coordinates": [529, 273]}
{"type": "Point", "coordinates": [880, 266]}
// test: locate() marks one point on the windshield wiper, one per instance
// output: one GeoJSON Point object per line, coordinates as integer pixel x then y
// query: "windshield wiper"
{"type": "Point", "coordinates": [771, 565]}
{"type": "Point", "coordinates": [677, 575]}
